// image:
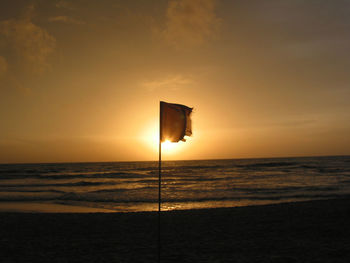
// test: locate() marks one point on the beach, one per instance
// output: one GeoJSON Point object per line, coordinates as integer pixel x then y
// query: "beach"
{"type": "Point", "coordinates": [314, 231]}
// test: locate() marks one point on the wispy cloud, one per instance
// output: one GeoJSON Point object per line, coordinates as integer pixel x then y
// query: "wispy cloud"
{"type": "Point", "coordinates": [31, 43]}
{"type": "Point", "coordinates": [172, 82]}
{"type": "Point", "coordinates": [190, 23]}
{"type": "Point", "coordinates": [66, 20]}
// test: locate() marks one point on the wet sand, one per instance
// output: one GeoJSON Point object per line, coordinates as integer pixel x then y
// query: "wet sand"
{"type": "Point", "coordinates": [317, 231]}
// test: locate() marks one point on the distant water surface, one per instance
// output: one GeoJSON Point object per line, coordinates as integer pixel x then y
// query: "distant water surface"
{"type": "Point", "coordinates": [133, 186]}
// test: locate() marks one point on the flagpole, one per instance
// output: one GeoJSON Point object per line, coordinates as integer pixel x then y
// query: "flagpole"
{"type": "Point", "coordinates": [159, 178]}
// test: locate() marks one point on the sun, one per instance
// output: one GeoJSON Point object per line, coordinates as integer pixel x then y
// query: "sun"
{"type": "Point", "coordinates": [150, 136]}
{"type": "Point", "coordinates": [169, 146]}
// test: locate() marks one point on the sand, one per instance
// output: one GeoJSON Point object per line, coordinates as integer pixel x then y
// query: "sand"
{"type": "Point", "coordinates": [317, 231]}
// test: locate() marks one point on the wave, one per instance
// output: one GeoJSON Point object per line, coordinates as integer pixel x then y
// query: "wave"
{"type": "Point", "coordinates": [268, 164]}
{"type": "Point", "coordinates": [123, 190]}
{"type": "Point", "coordinates": [81, 198]}
{"type": "Point", "coordinates": [119, 175]}
{"type": "Point", "coordinates": [32, 191]}
{"type": "Point", "coordinates": [81, 183]}
{"type": "Point", "coordinates": [272, 198]}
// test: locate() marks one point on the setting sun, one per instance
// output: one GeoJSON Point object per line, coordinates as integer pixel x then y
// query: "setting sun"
{"type": "Point", "coordinates": [150, 137]}
{"type": "Point", "coordinates": [169, 146]}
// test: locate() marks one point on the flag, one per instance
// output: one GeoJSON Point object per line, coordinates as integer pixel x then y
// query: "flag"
{"type": "Point", "coordinates": [175, 122]}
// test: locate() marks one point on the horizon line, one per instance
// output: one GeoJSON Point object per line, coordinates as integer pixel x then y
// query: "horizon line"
{"type": "Point", "coordinates": [179, 160]}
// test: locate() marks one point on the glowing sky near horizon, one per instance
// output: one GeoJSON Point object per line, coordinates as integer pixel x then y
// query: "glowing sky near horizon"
{"type": "Point", "coordinates": [82, 80]}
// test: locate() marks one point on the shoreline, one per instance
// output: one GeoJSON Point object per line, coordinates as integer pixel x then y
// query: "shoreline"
{"type": "Point", "coordinates": [61, 208]}
{"type": "Point", "coordinates": [310, 231]}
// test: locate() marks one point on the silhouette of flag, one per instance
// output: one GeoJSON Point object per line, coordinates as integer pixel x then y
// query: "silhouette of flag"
{"type": "Point", "coordinates": [175, 122]}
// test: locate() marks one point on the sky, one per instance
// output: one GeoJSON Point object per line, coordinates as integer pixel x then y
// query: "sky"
{"type": "Point", "coordinates": [81, 80]}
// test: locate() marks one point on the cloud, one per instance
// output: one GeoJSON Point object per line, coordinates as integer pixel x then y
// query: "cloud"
{"type": "Point", "coordinates": [190, 23]}
{"type": "Point", "coordinates": [3, 66]}
{"type": "Point", "coordinates": [31, 43]}
{"type": "Point", "coordinates": [173, 82]}
{"type": "Point", "coordinates": [66, 20]}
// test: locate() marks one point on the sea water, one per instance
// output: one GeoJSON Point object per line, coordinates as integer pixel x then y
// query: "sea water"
{"type": "Point", "coordinates": [133, 186]}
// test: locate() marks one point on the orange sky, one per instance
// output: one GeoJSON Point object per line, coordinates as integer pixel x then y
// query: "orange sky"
{"type": "Point", "coordinates": [82, 80]}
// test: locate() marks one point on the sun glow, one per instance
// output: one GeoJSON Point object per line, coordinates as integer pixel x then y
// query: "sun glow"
{"type": "Point", "coordinates": [169, 146]}
{"type": "Point", "coordinates": [151, 138]}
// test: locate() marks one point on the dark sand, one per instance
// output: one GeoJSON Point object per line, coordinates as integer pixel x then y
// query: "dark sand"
{"type": "Point", "coordinates": [317, 231]}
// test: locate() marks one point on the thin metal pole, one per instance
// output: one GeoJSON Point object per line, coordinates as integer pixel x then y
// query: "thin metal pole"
{"type": "Point", "coordinates": [159, 196]}
{"type": "Point", "coordinates": [159, 178]}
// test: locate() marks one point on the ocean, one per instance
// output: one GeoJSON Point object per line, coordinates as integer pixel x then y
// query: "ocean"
{"type": "Point", "coordinates": [133, 186]}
